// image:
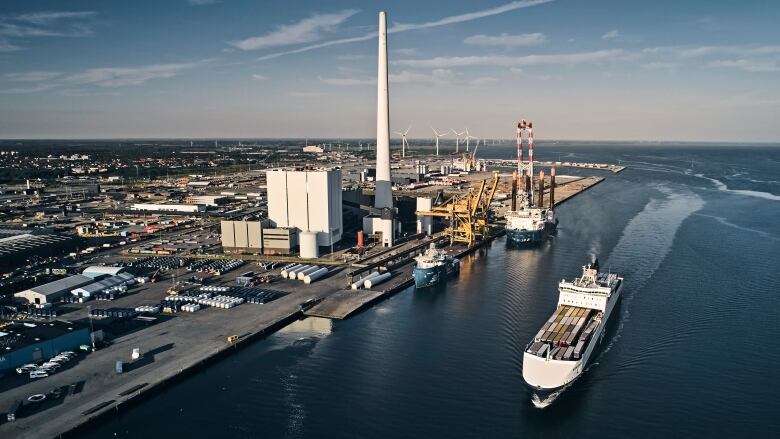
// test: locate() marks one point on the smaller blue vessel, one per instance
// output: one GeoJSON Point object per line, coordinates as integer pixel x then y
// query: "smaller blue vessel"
{"type": "Point", "coordinates": [433, 267]}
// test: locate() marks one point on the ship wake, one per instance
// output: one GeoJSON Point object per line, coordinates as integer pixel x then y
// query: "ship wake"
{"type": "Point", "coordinates": [542, 402]}
{"type": "Point", "coordinates": [646, 241]}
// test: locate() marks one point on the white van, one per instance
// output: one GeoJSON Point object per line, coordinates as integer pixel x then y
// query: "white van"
{"type": "Point", "coordinates": [38, 374]}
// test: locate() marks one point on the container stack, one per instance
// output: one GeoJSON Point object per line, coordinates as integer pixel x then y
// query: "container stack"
{"type": "Point", "coordinates": [562, 331]}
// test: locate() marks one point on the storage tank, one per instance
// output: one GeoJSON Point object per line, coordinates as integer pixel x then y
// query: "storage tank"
{"type": "Point", "coordinates": [308, 245]}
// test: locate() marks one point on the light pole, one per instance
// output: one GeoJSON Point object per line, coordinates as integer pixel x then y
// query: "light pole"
{"type": "Point", "coordinates": [91, 327]}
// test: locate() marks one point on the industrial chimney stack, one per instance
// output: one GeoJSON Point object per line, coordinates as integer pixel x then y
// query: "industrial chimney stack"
{"type": "Point", "coordinates": [384, 190]}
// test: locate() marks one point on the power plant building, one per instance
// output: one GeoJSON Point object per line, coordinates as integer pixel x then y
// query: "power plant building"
{"type": "Point", "coordinates": [243, 235]}
{"type": "Point", "coordinates": [309, 200]}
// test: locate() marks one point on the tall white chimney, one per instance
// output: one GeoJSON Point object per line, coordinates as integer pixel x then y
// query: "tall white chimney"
{"type": "Point", "coordinates": [384, 191]}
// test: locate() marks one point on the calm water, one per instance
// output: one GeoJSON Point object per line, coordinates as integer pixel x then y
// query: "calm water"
{"type": "Point", "coordinates": [695, 353]}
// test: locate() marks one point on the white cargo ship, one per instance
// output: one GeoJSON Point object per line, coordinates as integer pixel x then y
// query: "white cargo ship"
{"type": "Point", "coordinates": [561, 349]}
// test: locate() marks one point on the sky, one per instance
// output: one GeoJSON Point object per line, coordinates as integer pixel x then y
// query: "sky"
{"type": "Point", "coordinates": [694, 70]}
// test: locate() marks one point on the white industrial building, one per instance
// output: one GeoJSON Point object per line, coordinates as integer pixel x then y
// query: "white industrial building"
{"type": "Point", "coordinates": [98, 271]}
{"type": "Point", "coordinates": [150, 207]}
{"type": "Point", "coordinates": [309, 200]}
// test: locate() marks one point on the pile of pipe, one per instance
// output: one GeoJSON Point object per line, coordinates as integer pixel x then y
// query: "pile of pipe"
{"type": "Point", "coordinates": [306, 273]}
{"type": "Point", "coordinates": [371, 279]}
{"type": "Point", "coordinates": [374, 281]}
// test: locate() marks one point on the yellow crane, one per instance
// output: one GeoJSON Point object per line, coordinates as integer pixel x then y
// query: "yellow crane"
{"type": "Point", "coordinates": [468, 213]}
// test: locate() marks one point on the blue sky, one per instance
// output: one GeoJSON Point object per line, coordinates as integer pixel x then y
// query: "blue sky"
{"type": "Point", "coordinates": [601, 70]}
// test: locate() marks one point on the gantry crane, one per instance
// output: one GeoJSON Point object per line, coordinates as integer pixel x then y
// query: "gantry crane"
{"type": "Point", "coordinates": [468, 213]}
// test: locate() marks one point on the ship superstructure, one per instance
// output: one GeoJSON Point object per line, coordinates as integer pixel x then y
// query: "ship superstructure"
{"type": "Point", "coordinates": [561, 349]}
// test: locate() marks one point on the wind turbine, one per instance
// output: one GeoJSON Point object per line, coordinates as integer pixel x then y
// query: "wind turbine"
{"type": "Point", "coordinates": [468, 137]}
{"type": "Point", "coordinates": [404, 143]}
{"type": "Point", "coordinates": [437, 138]}
{"type": "Point", "coordinates": [457, 139]}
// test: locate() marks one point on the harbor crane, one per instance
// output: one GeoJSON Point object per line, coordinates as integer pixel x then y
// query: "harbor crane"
{"type": "Point", "coordinates": [468, 214]}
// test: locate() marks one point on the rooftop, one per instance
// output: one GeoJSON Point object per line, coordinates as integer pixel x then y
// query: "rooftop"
{"type": "Point", "coordinates": [18, 335]}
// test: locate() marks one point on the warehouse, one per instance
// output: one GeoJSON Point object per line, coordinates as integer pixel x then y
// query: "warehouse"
{"type": "Point", "coordinates": [104, 285]}
{"type": "Point", "coordinates": [15, 249]}
{"type": "Point", "coordinates": [24, 343]}
{"type": "Point", "coordinates": [309, 200]}
{"type": "Point", "coordinates": [52, 291]}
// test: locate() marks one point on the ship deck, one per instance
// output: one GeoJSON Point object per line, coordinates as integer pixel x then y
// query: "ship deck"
{"type": "Point", "coordinates": [565, 334]}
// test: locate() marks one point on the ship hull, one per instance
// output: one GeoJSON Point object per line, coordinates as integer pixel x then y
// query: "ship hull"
{"type": "Point", "coordinates": [545, 377]}
{"type": "Point", "coordinates": [429, 277]}
{"type": "Point", "coordinates": [529, 237]}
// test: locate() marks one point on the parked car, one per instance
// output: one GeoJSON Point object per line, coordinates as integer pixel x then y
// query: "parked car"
{"type": "Point", "coordinates": [38, 374]}
{"type": "Point", "coordinates": [26, 368]}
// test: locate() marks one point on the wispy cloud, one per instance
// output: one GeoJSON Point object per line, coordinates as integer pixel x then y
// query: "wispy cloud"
{"type": "Point", "coordinates": [6, 46]}
{"type": "Point", "coordinates": [617, 36]}
{"type": "Point", "coordinates": [77, 93]}
{"type": "Point", "coordinates": [407, 51]}
{"type": "Point", "coordinates": [701, 51]}
{"type": "Point", "coordinates": [22, 90]}
{"type": "Point", "coordinates": [509, 61]}
{"type": "Point", "coordinates": [658, 65]}
{"type": "Point", "coordinates": [351, 57]}
{"type": "Point", "coordinates": [748, 58]}
{"type": "Point", "coordinates": [126, 76]}
{"type": "Point", "coordinates": [435, 77]}
{"type": "Point", "coordinates": [395, 28]}
{"type": "Point", "coordinates": [43, 18]}
{"type": "Point", "coordinates": [33, 76]}
{"type": "Point", "coordinates": [524, 74]}
{"type": "Point", "coordinates": [748, 65]}
{"type": "Point", "coordinates": [346, 81]}
{"type": "Point", "coordinates": [104, 77]}
{"type": "Point", "coordinates": [306, 94]}
{"type": "Point", "coordinates": [506, 40]}
{"type": "Point", "coordinates": [259, 77]}
{"type": "Point", "coordinates": [304, 31]}
{"type": "Point", "coordinates": [43, 24]}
